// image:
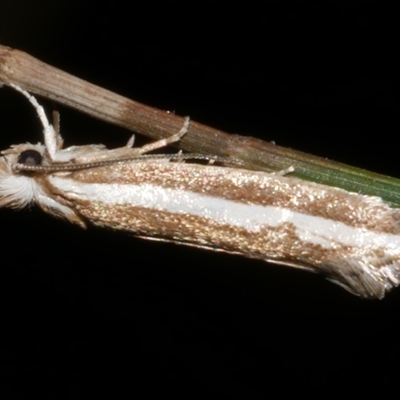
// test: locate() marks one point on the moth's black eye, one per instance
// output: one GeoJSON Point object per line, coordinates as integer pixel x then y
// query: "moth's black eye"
{"type": "Point", "coordinates": [30, 157]}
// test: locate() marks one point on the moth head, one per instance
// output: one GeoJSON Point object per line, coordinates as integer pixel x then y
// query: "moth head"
{"type": "Point", "coordinates": [18, 188]}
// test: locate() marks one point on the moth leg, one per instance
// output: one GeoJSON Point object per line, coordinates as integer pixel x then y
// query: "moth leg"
{"type": "Point", "coordinates": [56, 126]}
{"type": "Point", "coordinates": [284, 172]}
{"type": "Point", "coordinates": [131, 142]}
{"type": "Point", "coordinates": [165, 142]}
{"type": "Point", "coordinates": [50, 136]}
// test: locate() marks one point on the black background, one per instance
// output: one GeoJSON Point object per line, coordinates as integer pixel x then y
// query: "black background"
{"type": "Point", "coordinates": [93, 312]}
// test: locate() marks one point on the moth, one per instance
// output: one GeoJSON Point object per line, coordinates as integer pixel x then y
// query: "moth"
{"type": "Point", "coordinates": [353, 239]}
